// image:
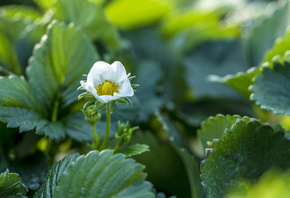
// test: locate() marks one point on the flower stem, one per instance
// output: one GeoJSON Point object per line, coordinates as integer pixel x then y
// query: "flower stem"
{"type": "Point", "coordinates": [96, 139]}
{"type": "Point", "coordinates": [55, 108]}
{"type": "Point", "coordinates": [107, 135]}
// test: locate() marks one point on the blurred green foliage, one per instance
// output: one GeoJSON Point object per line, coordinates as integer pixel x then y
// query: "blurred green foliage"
{"type": "Point", "coordinates": [205, 68]}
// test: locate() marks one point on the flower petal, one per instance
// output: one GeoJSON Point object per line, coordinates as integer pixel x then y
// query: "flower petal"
{"type": "Point", "coordinates": [126, 89]}
{"type": "Point", "coordinates": [108, 98]}
{"type": "Point", "coordinates": [87, 86]}
{"type": "Point", "coordinates": [120, 71]}
{"type": "Point", "coordinates": [95, 74]}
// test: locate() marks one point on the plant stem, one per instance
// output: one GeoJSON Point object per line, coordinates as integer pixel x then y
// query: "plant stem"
{"type": "Point", "coordinates": [107, 135]}
{"type": "Point", "coordinates": [96, 139]}
{"type": "Point", "coordinates": [55, 108]}
{"type": "Point", "coordinates": [116, 147]}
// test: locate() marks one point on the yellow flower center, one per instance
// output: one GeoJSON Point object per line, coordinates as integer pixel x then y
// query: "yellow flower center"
{"type": "Point", "coordinates": [107, 88]}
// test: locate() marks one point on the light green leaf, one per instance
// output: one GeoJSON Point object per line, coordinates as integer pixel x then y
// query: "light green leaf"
{"type": "Point", "coordinates": [134, 149]}
{"type": "Point", "coordinates": [90, 17]}
{"type": "Point", "coordinates": [44, 4]}
{"type": "Point", "coordinates": [281, 45]}
{"type": "Point", "coordinates": [272, 184]}
{"type": "Point", "coordinates": [128, 14]}
{"type": "Point", "coordinates": [103, 175]}
{"type": "Point", "coordinates": [215, 127]}
{"type": "Point", "coordinates": [244, 153]}
{"type": "Point", "coordinates": [263, 36]}
{"type": "Point", "coordinates": [53, 175]}
{"type": "Point", "coordinates": [272, 89]}
{"type": "Point", "coordinates": [240, 81]}
{"type": "Point", "coordinates": [8, 39]}
{"type": "Point", "coordinates": [11, 186]}
{"type": "Point", "coordinates": [26, 13]}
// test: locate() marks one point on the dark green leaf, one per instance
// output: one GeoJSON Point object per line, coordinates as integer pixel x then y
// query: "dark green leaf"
{"type": "Point", "coordinates": [215, 127]}
{"type": "Point", "coordinates": [53, 175]}
{"type": "Point", "coordinates": [244, 153]}
{"type": "Point", "coordinates": [272, 88]}
{"type": "Point", "coordinates": [11, 186]}
{"type": "Point", "coordinates": [147, 94]}
{"type": "Point", "coordinates": [213, 58]}
{"type": "Point", "coordinates": [134, 149]}
{"type": "Point", "coordinates": [103, 175]}
{"type": "Point", "coordinates": [32, 169]}
{"type": "Point", "coordinates": [19, 107]}
{"type": "Point", "coordinates": [170, 169]}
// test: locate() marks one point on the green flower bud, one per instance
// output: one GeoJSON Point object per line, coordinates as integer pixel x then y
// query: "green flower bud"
{"type": "Point", "coordinates": [91, 116]}
{"type": "Point", "coordinates": [124, 132]}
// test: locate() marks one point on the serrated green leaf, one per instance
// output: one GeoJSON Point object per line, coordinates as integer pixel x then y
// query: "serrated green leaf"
{"type": "Point", "coordinates": [90, 17]}
{"type": "Point", "coordinates": [19, 107]}
{"type": "Point", "coordinates": [134, 149]}
{"type": "Point", "coordinates": [271, 89]}
{"type": "Point", "coordinates": [263, 36]}
{"type": "Point", "coordinates": [215, 127]}
{"type": "Point", "coordinates": [128, 14]}
{"type": "Point", "coordinates": [53, 175]}
{"type": "Point", "coordinates": [11, 186]}
{"type": "Point", "coordinates": [103, 175]}
{"type": "Point", "coordinates": [244, 153]}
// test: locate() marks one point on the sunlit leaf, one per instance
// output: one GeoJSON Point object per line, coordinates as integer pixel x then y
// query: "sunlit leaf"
{"type": "Point", "coordinates": [129, 14]}
{"type": "Point", "coordinates": [90, 17]}
{"type": "Point", "coordinates": [272, 184]}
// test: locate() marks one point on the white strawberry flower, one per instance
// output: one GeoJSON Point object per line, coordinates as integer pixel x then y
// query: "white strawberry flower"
{"type": "Point", "coordinates": [108, 82]}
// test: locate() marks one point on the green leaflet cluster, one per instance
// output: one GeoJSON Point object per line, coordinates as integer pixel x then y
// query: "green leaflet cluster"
{"type": "Point", "coordinates": [52, 77]}
{"type": "Point", "coordinates": [245, 152]}
{"type": "Point", "coordinates": [100, 175]}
